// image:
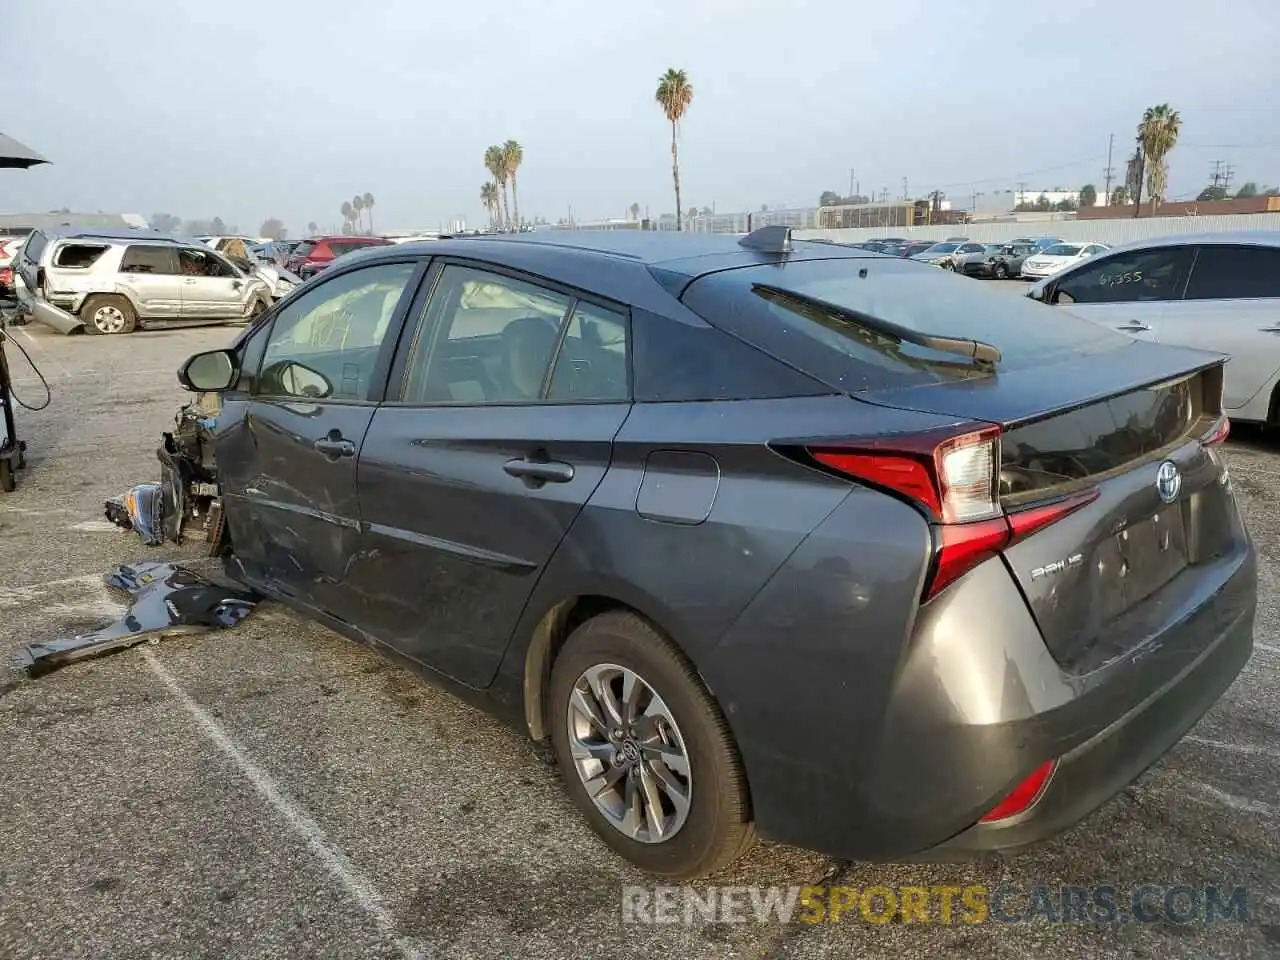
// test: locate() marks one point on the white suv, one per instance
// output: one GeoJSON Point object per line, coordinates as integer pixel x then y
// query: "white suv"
{"type": "Point", "coordinates": [113, 282]}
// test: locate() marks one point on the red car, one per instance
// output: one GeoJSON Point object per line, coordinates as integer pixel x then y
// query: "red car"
{"type": "Point", "coordinates": [315, 253]}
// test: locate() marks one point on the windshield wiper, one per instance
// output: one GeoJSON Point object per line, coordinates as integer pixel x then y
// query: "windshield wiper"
{"type": "Point", "coordinates": [982, 354]}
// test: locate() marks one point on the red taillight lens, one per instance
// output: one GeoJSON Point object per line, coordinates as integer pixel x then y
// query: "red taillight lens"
{"type": "Point", "coordinates": [1218, 433]}
{"type": "Point", "coordinates": [1024, 796]}
{"type": "Point", "coordinates": [954, 477]}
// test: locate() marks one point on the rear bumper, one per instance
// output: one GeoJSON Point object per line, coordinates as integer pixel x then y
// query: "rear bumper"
{"type": "Point", "coordinates": [46, 312]}
{"type": "Point", "coordinates": [1102, 766]}
{"type": "Point", "coordinates": [972, 704]}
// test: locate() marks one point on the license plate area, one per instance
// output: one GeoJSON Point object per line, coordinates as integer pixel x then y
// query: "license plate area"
{"type": "Point", "coordinates": [1139, 559]}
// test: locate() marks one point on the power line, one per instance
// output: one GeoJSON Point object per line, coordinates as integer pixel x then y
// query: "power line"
{"type": "Point", "coordinates": [1024, 173]}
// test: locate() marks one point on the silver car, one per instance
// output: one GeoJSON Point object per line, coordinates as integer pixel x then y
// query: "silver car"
{"type": "Point", "coordinates": [113, 282]}
{"type": "Point", "coordinates": [1216, 291]}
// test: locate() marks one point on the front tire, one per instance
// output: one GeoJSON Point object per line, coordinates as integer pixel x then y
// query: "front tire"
{"type": "Point", "coordinates": [1002, 271]}
{"type": "Point", "coordinates": [106, 314]}
{"type": "Point", "coordinates": [644, 751]}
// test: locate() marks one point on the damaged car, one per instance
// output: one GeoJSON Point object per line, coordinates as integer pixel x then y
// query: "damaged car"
{"type": "Point", "coordinates": [766, 537]}
{"type": "Point", "coordinates": [113, 282]}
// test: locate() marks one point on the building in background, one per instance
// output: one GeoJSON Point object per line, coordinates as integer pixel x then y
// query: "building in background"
{"type": "Point", "coordinates": [26, 222]}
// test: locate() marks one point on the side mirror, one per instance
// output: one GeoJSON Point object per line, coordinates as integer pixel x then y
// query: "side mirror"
{"type": "Point", "coordinates": [289, 378]}
{"type": "Point", "coordinates": [210, 372]}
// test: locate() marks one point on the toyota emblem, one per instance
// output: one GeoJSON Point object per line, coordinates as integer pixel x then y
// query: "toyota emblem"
{"type": "Point", "coordinates": [1168, 481]}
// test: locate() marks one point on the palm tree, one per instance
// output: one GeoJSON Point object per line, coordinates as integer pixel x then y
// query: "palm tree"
{"type": "Point", "coordinates": [348, 214]}
{"type": "Point", "coordinates": [312, 228]}
{"type": "Point", "coordinates": [674, 96]}
{"type": "Point", "coordinates": [496, 164]}
{"type": "Point", "coordinates": [635, 211]}
{"type": "Point", "coordinates": [489, 197]}
{"type": "Point", "coordinates": [512, 157]}
{"type": "Point", "coordinates": [368, 205]}
{"type": "Point", "coordinates": [357, 205]}
{"type": "Point", "coordinates": [1158, 133]}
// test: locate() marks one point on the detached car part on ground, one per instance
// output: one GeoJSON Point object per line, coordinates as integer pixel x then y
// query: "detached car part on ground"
{"type": "Point", "coordinates": [112, 282]}
{"type": "Point", "coordinates": [774, 537]}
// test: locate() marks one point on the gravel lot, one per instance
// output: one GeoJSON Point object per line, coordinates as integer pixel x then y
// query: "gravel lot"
{"type": "Point", "coordinates": [275, 790]}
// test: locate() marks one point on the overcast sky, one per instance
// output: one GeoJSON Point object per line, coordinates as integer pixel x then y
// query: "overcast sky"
{"type": "Point", "coordinates": [249, 110]}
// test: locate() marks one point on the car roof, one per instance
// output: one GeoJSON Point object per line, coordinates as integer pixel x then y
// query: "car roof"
{"type": "Point", "coordinates": [344, 236]}
{"type": "Point", "coordinates": [1257, 238]}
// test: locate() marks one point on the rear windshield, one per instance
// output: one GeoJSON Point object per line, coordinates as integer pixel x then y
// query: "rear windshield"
{"type": "Point", "coordinates": [1062, 250]}
{"type": "Point", "coordinates": [850, 357]}
{"type": "Point", "coordinates": [304, 248]}
{"type": "Point", "coordinates": [339, 247]}
{"type": "Point", "coordinates": [943, 248]}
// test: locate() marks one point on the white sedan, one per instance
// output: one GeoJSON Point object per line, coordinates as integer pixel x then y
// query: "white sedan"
{"type": "Point", "coordinates": [1058, 257]}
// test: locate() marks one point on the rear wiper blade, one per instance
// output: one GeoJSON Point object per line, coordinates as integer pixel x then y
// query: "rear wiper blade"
{"type": "Point", "coordinates": [980, 353]}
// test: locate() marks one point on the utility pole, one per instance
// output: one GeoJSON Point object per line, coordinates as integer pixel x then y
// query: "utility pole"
{"type": "Point", "coordinates": [852, 192]}
{"type": "Point", "coordinates": [1215, 178]}
{"type": "Point", "coordinates": [1226, 178]}
{"type": "Point", "coordinates": [1106, 197]}
{"type": "Point", "coordinates": [1020, 197]}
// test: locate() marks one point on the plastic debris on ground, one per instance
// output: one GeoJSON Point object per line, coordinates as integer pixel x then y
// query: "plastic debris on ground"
{"type": "Point", "coordinates": [168, 600]}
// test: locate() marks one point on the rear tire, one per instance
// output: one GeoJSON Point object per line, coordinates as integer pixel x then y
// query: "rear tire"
{"type": "Point", "coordinates": [673, 719]}
{"type": "Point", "coordinates": [107, 314]}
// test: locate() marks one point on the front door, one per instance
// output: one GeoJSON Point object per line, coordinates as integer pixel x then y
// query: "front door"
{"type": "Point", "coordinates": [288, 465]}
{"type": "Point", "coordinates": [149, 272]}
{"type": "Point", "coordinates": [500, 430]}
{"type": "Point", "coordinates": [211, 288]}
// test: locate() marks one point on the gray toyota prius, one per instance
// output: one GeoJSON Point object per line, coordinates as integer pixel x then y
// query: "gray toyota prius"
{"type": "Point", "coordinates": [768, 537]}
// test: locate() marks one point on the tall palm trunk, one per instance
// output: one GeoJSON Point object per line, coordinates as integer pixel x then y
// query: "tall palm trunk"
{"type": "Point", "coordinates": [506, 208]}
{"type": "Point", "coordinates": [675, 175]}
{"type": "Point", "coordinates": [515, 204]}
{"type": "Point", "coordinates": [1141, 159]}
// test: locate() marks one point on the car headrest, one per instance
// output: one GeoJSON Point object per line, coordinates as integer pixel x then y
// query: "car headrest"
{"type": "Point", "coordinates": [527, 344]}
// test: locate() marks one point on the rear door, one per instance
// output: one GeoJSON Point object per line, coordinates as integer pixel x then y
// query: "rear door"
{"type": "Point", "coordinates": [1126, 291]}
{"type": "Point", "coordinates": [505, 403]}
{"type": "Point", "coordinates": [150, 273]}
{"type": "Point", "coordinates": [211, 289]}
{"type": "Point", "coordinates": [287, 445]}
{"type": "Point", "coordinates": [1232, 305]}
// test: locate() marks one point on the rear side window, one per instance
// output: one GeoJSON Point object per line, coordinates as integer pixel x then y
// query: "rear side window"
{"type": "Point", "coordinates": [852, 357]}
{"type": "Point", "coordinates": [339, 247]}
{"type": "Point", "coordinates": [1139, 276]}
{"type": "Point", "coordinates": [1224, 272]}
{"type": "Point", "coordinates": [149, 259]}
{"type": "Point", "coordinates": [78, 256]}
{"type": "Point", "coordinates": [304, 248]}
{"type": "Point", "coordinates": [592, 362]}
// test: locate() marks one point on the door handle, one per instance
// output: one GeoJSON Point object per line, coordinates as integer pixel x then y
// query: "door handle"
{"type": "Point", "coordinates": [538, 472]}
{"type": "Point", "coordinates": [1135, 325]}
{"type": "Point", "coordinates": [333, 446]}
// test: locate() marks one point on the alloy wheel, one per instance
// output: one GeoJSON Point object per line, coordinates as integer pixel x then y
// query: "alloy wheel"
{"type": "Point", "coordinates": [629, 753]}
{"type": "Point", "coordinates": [108, 319]}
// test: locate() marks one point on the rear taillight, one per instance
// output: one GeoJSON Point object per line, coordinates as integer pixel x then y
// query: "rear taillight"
{"type": "Point", "coordinates": [1024, 796]}
{"type": "Point", "coordinates": [955, 479]}
{"type": "Point", "coordinates": [1218, 433]}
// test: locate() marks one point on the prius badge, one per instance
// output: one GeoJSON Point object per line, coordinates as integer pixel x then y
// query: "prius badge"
{"type": "Point", "coordinates": [1168, 481]}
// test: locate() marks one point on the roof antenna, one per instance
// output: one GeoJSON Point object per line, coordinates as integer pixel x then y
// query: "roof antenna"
{"type": "Point", "coordinates": [776, 239]}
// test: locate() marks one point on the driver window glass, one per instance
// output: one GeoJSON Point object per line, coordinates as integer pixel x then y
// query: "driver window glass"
{"type": "Point", "coordinates": [202, 263]}
{"type": "Point", "coordinates": [1142, 276]}
{"type": "Point", "coordinates": [484, 338]}
{"type": "Point", "coordinates": [327, 342]}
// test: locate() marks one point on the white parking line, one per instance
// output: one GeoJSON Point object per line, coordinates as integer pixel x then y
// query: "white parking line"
{"type": "Point", "coordinates": [333, 859]}
{"type": "Point", "coordinates": [1243, 804]}
{"type": "Point", "coordinates": [1244, 748]}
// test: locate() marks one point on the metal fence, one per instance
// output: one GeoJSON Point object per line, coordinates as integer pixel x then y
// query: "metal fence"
{"type": "Point", "coordinates": [1111, 232]}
